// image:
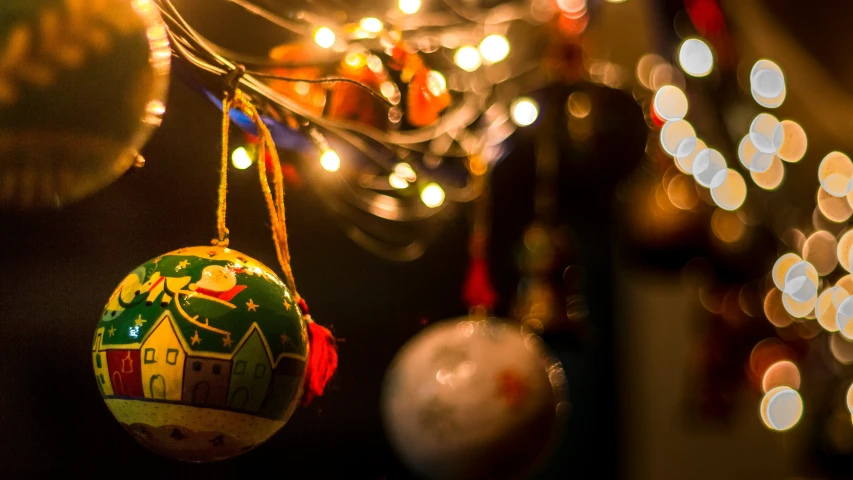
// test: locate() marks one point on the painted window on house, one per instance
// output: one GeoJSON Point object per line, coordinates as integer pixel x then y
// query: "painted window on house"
{"type": "Point", "coordinates": [149, 355]}
{"type": "Point", "coordinates": [172, 356]}
{"type": "Point", "coordinates": [240, 367]}
{"type": "Point", "coordinates": [217, 369]}
{"type": "Point", "coordinates": [260, 369]}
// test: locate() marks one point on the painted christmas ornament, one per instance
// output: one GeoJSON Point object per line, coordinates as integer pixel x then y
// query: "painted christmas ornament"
{"type": "Point", "coordinates": [472, 399]}
{"type": "Point", "coordinates": [82, 87]}
{"type": "Point", "coordinates": [201, 353]}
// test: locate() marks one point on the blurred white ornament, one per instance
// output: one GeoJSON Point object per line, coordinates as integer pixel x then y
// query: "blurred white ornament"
{"type": "Point", "coordinates": [471, 399]}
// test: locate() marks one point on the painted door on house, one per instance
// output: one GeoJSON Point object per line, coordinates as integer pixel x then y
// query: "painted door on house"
{"type": "Point", "coordinates": [157, 387]}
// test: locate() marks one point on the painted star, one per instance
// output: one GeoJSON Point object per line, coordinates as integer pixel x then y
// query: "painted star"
{"type": "Point", "coordinates": [112, 330]}
{"type": "Point", "coordinates": [284, 339]}
{"type": "Point", "coordinates": [226, 341]}
{"type": "Point", "coordinates": [195, 338]}
{"type": "Point", "coordinates": [251, 306]}
{"type": "Point", "coordinates": [182, 264]}
{"type": "Point", "coordinates": [287, 306]}
{"type": "Point", "coordinates": [139, 321]}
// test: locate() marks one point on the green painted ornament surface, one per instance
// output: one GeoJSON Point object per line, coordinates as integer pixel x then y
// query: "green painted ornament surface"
{"type": "Point", "coordinates": [82, 87]}
{"type": "Point", "coordinates": [201, 353]}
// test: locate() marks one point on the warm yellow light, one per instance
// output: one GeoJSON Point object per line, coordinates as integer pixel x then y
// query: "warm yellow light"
{"type": "Point", "coordinates": [695, 57]}
{"type": "Point", "coordinates": [240, 159]}
{"type": "Point", "coordinates": [409, 6]}
{"type": "Point", "coordinates": [524, 111]}
{"type": "Point", "coordinates": [355, 59]}
{"type": "Point", "coordinates": [467, 58]}
{"type": "Point", "coordinates": [432, 195]}
{"type": "Point", "coordinates": [405, 171]}
{"type": "Point", "coordinates": [397, 181]}
{"type": "Point", "coordinates": [435, 82]}
{"type": "Point", "coordinates": [494, 48]}
{"type": "Point", "coordinates": [325, 37]}
{"type": "Point", "coordinates": [371, 24]}
{"type": "Point", "coordinates": [330, 161]}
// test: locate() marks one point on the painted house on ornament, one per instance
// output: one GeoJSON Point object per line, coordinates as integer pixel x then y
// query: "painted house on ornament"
{"type": "Point", "coordinates": [99, 361]}
{"type": "Point", "coordinates": [164, 367]}
{"type": "Point", "coordinates": [163, 361]}
{"type": "Point", "coordinates": [251, 373]}
{"type": "Point", "coordinates": [206, 381]}
{"type": "Point", "coordinates": [286, 383]}
{"type": "Point", "coordinates": [125, 372]}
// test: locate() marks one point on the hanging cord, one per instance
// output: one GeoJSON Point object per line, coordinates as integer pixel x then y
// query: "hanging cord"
{"type": "Point", "coordinates": [322, 352]}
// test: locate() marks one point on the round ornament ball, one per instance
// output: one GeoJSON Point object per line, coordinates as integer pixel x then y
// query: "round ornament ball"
{"type": "Point", "coordinates": [473, 399]}
{"type": "Point", "coordinates": [82, 87]}
{"type": "Point", "coordinates": [201, 353]}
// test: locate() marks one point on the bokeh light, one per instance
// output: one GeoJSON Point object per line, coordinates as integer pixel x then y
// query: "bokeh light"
{"type": "Point", "coordinates": [772, 178]}
{"type": "Point", "coordinates": [767, 84]}
{"type": "Point", "coordinates": [397, 181]}
{"type": "Point", "coordinates": [727, 226]}
{"type": "Point", "coordinates": [695, 57]}
{"type": "Point", "coordinates": [730, 194]}
{"type": "Point", "coordinates": [670, 103]}
{"type": "Point", "coordinates": [241, 159]}
{"type": "Point", "coordinates": [371, 24]}
{"type": "Point", "coordinates": [753, 159]}
{"type": "Point", "coordinates": [841, 349]}
{"type": "Point", "coordinates": [794, 142]}
{"type": "Point", "coordinates": [432, 195]}
{"type": "Point", "coordinates": [579, 105]}
{"type": "Point", "coordinates": [826, 307]}
{"type": "Point", "coordinates": [820, 250]}
{"type": "Point", "coordinates": [781, 267]}
{"type": "Point", "coordinates": [835, 209]}
{"type": "Point", "coordinates": [524, 111]}
{"type": "Point", "coordinates": [330, 161]}
{"type": "Point", "coordinates": [324, 37]}
{"type": "Point", "coordinates": [843, 252]}
{"type": "Point", "coordinates": [494, 48]}
{"type": "Point", "coordinates": [709, 168]}
{"type": "Point", "coordinates": [775, 311]}
{"type": "Point", "coordinates": [781, 374]}
{"type": "Point", "coordinates": [685, 162]}
{"type": "Point", "coordinates": [409, 6]}
{"type": "Point", "coordinates": [681, 191]}
{"type": "Point", "coordinates": [678, 138]}
{"type": "Point", "coordinates": [836, 174]}
{"type": "Point", "coordinates": [781, 408]}
{"type": "Point", "coordinates": [844, 316]}
{"type": "Point", "coordinates": [765, 133]}
{"type": "Point", "coordinates": [801, 282]}
{"type": "Point", "coordinates": [467, 58]}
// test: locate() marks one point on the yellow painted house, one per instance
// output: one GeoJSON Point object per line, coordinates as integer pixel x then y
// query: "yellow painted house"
{"type": "Point", "coordinates": [162, 357]}
{"type": "Point", "coordinates": [99, 361]}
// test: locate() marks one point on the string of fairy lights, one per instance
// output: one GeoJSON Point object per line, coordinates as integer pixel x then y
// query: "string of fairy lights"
{"type": "Point", "coordinates": [420, 161]}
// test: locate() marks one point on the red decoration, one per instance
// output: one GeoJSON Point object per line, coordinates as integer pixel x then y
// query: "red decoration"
{"type": "Point", "coordinates": [322, 357]}
{"type": "Point", "coordinates": [478, 289]}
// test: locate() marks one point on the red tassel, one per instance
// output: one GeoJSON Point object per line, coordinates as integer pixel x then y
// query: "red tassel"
{"type": "Point", "coordinates": [478, 290]}
{"type": "Point", "coordinates": [322, 357]}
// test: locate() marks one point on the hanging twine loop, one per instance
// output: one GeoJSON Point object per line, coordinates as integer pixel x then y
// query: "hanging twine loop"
{"type": "Point", "coordinates": [322, 359]}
